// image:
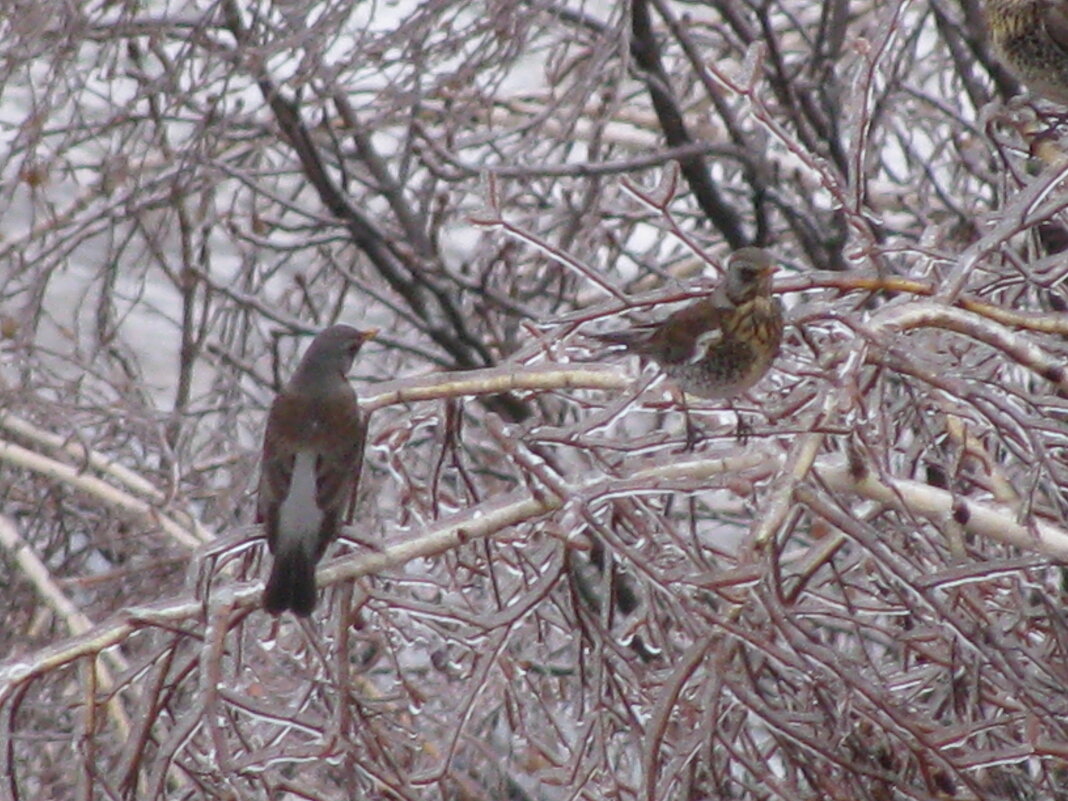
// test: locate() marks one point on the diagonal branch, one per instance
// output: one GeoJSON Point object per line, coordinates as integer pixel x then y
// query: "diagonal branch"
{"type": "Point", "coordinates": [647, 55]}
{"type": "Point", "coordinates": [445, 321]}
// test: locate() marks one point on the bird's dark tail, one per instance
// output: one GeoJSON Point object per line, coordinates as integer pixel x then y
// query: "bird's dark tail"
{"type": "Point", "coordinates": [292, 584]}
{"type": "Point", "coordinates": [636, 340]}
{"type": "Point", "coordinates": [627, 338]}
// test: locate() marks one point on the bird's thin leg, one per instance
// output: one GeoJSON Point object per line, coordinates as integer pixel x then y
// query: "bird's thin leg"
{"type": "Point", "coordinates": [743, 428]}
{"type": "Point", "coordinates": [693, 433]}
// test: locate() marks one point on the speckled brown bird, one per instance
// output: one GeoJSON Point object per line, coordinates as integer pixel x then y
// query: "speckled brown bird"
{"type": "Point", "coordinates": [312, 455]}
{"type": "Point", "coordinates": [722, 345]}
{"type": "Point", "coordinates": [1030, 38]}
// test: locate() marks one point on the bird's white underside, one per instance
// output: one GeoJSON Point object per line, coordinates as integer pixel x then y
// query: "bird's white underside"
{"type": "Point", "coordinates": [299, 516]}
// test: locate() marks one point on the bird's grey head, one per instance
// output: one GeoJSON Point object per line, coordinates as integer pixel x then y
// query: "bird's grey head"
{"type": "Point", "coordinates": [330, 355]}
{"type": "Point", "coordinates": [749, 272]}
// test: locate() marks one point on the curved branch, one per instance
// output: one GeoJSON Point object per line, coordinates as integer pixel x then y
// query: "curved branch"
{"type": "Point", "coordinates": [1018, 348]}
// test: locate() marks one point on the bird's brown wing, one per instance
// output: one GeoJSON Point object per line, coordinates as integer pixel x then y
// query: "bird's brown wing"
{"type": "Point", "coordinates": [632, 337]}
{"type": "Point", "coordinates": [339, 464]}
{"type": "Point", "coordinates": [276, 470]}
{"type": "Point", "coordinates": [341, 457]}
{"type": "Point", "coordinates": [671, 341]}
{"type": "Point", "coordinates": [674, 339]}
{"type": "Point", "coordinates": [1055, 18]}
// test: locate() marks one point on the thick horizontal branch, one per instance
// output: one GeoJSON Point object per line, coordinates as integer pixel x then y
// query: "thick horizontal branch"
{"type": "Point", "coordinates": [1014, 345]}
{"type": "Point", "coordinates": [993, 522]}
{"type": "Point", "coordinates": [493, 380]}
